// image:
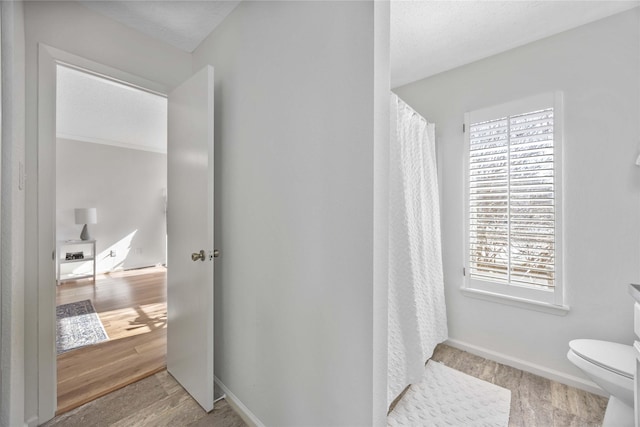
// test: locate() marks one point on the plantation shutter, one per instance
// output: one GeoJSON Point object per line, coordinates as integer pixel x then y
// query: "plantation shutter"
{"type": "Point", "coordinates": [512, 199]}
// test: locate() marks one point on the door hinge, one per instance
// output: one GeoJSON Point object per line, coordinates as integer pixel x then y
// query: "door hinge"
{"type": "Point", "coordinates": [464, 271]}
{"type": "Point", "coordinates": [464, 128]}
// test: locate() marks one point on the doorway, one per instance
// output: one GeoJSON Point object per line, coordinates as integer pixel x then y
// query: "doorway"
{"type": "Point", "coordinates": [111, 181]}
{"type": "Point", "coordinates": [190, 282]}
{"type": "Point", "coordinates": [49, 59]}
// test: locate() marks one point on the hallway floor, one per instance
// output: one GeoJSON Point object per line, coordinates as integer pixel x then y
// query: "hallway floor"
{"type": "Point", "coordinates": [155, 401]}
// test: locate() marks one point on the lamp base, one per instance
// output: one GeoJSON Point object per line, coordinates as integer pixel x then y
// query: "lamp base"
{"type": "Point", "coordinates": [85, 233]}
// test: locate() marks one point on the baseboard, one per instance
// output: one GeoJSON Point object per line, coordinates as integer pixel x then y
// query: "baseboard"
{"type": "Point", "coordinates": [130, 268]}
{"type": "Point", "coordinates": [32, 422]}
{"type": "Point", "coordinates": [533, 368]}
{"type": "Point", "coordinates": [244, 412]}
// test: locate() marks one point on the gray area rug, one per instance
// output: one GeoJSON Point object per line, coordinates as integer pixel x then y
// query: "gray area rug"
{"type": "Point", "coordinates": [78, 325]}
{"type": "Point", "coordinates": [446, 397]}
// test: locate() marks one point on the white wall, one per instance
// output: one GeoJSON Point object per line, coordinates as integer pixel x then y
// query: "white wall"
{"type": "Point", "coordinates": [295, 145]}
{"type": "Point", "coordinates": [127, 188]}
{"type": "Point", "coordinates": [597, 68]}
{"type": "Point", "coordinates": [71, 27]}
{"type": "Point", "coordinates": [95, 109]}
{"type": "Point", "coordinates": [294, 209]}
{"type": "Point", "coordinates": [12, 225]}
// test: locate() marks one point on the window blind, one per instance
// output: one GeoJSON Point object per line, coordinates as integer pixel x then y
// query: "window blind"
{"type": "Point", "coordinates": [511, 199]}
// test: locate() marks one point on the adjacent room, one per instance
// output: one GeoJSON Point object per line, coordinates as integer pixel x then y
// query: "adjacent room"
{"type": "Point", "coordinates": [332, 213]}
{"type": "Point", "coordinates": [111, 198]}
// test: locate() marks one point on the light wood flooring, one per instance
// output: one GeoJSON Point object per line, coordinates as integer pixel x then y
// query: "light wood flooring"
{"type": "Point", "coordinates": [535, 401]}
{"type": "Point", "coordinates": [156, 401]}
{"type": "Point", "coordinates": [132, 307]}
{"type": "Point", "coordinates": [160, 401]}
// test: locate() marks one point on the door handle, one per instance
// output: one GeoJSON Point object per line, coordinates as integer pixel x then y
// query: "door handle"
{"type": "Point", "coordinates": [198, 256]}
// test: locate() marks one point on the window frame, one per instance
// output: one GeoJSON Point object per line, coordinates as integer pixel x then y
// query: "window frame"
{"type": "Point", "coordinates": [516, 294]}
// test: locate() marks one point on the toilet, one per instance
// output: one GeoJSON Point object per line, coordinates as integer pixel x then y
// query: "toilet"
{"type": "Point", "coordinates": [612, 367]}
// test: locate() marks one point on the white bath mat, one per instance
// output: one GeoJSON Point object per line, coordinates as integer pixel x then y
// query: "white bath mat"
{"type": "Point", "coordinates": [446, 397]}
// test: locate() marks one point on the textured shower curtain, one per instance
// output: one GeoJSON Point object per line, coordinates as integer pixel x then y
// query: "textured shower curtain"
{"type": "Point", "coordinates": [417, 315]}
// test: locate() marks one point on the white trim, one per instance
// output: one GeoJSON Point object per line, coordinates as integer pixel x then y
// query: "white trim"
{"type": "Point", "coordinates": [48, 58]}
{"type": "Point", "coordinates": [381, 143]}
{"type": "Point", "coordinates": [542, 371]}
{"type": "Point", "coordinates": [112, 143]}
{"type": "Point", "coordinates": [104, 71]}
{"type": "Point", "coordinates": [32, 422]}
{"type": "Point", "coordinates": [559, 310]}
{"type": "Point", "coordinates": [244, 412]}
{"type": "Point", "coordinates": [558, 158]}
{"type": "Point", "coordinates": [45, 193]}
{"type": "Point", "coordinates": [3, 218]}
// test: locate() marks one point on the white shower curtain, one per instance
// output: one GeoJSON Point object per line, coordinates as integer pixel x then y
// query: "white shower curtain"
{"type": "Point", "coordinates": [417, 315]}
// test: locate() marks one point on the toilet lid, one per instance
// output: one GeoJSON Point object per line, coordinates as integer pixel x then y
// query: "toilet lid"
{"type": "Point", "coordinates": [615, 357]}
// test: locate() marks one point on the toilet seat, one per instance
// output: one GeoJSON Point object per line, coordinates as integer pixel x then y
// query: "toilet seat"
{"type": "Point", "coordinates": [614, 357]}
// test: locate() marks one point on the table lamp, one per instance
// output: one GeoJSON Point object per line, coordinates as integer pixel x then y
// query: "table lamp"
{"type": "Point", "coordinates": [86, 216]}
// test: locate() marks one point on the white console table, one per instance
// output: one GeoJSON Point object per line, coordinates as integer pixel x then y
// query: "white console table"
{"type": "Point", "coordinates": [65, 246]}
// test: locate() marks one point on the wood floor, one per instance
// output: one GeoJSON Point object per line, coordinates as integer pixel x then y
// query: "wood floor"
{"type": "Point", "coordinates": [156, 401]}
{"type": "Point", "coordinates": [132, 307]}
{"type": "Point", "coordinates": [160, 401]}
{"type": "Point", "coordinates": [535, 401]}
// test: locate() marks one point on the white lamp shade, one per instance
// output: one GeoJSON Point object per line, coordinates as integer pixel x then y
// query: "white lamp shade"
{"type": "Point", "coordinates": [86, 216]}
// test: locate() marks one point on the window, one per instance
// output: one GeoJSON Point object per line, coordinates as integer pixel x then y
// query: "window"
{"type": "Point", "coordinates": [513, 193]}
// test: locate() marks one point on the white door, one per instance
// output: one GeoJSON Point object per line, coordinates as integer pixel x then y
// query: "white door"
{"type": "Point", "coordinates": [190, 231]}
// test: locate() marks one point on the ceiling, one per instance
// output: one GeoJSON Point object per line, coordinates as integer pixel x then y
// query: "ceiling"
{"type": "Point", "coordinates": [180, 23]}
{"type": "Point", "coordinates": [427, 36]}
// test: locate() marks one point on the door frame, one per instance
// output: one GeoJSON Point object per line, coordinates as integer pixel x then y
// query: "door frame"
{"type": "Point", "coordinates": [48, 58]}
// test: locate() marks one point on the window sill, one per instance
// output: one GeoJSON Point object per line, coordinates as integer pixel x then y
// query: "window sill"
{"type": "Point", "coordinates": [543, 307]}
